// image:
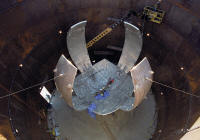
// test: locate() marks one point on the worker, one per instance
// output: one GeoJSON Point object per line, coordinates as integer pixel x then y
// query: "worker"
{"type": "Point", "coordinates": [91, 109]}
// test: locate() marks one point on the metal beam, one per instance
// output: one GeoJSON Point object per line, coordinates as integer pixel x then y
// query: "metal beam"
{"type": "Point", "coordinates": [115, 48]}
{"type": "Point", "coordinates": [103, 53]}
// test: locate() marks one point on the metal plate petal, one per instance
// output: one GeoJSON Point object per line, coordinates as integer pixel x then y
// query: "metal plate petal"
{"type": "Point", "coordinates": [77, 46]}
{"type": "Point", "coordinates": [132, 47]}
{"type": "Point", "coordinates": [65, 73]}
{"type": "Point", "coordinates": [139, 74]}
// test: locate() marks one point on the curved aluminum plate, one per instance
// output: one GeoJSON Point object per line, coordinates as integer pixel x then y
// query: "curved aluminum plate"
{"type": "Point", "coordinates": [132, 47]}
{"type": "Point", "coordinates": [77, 46]}
{"type": "Point", "coordinates": [139, 74]}
{"type": "Point", "coordinates": [65, 73]}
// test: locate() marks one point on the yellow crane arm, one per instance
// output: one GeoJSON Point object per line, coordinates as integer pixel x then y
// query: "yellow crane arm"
{"type": "Point", "coordinates": [98, 37]}
{"type": "Point", "coordinates": [109, 29]}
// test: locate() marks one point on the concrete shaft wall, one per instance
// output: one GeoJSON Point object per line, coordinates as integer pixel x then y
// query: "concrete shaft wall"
{"type": "Point", "coordinates": [29, 34]}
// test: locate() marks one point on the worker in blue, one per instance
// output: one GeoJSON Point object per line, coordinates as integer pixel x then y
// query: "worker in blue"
{"type": "Point", "coordinates": [91, 109]}
{"type": "Point", "coordinates": [102, 95]}
{"type": "Point", "coordinates": [93, 106]}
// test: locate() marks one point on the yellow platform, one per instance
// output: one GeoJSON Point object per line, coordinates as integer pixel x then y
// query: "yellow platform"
{"type": "Point", "coordinates": [155, 15]}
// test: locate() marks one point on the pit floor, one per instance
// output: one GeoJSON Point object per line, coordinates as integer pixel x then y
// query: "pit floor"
{"type": "Point", "coordinates": [138, 124]}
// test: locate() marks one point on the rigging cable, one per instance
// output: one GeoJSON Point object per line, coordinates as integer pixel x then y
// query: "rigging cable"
{"type": "Point", "coordinates": [179, 90]}
{"type": "Point", "coordinates": [38, 84]}
{"type": "Point", "coordinates": [33, 86]}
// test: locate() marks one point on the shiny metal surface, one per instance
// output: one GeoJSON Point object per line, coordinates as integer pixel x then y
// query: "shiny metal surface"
{"type": "Point", "coordinates": [77, 46]}
{"type": "Point", "coordinates": [132, 47]}
{"type": "Point", "coordinates": [87, 84]}
{"type": "Point", "coordinates": [65, 73]}
{"type": "Point", "coordinates": [94, 78]}
{"type": "Point", "coordinates": [45, 94]}
{"type": "Point", "coordinates": [139, 74]}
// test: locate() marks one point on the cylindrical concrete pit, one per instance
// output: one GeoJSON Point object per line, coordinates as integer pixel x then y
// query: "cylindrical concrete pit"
{"type": "Point", "coordinates": [33, 37]}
